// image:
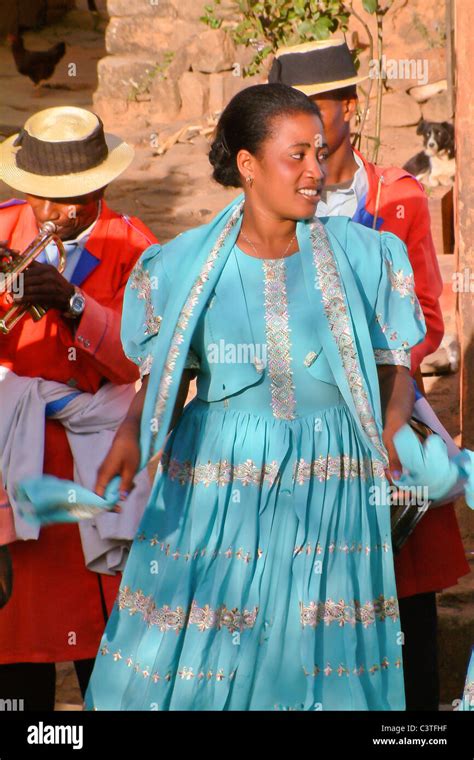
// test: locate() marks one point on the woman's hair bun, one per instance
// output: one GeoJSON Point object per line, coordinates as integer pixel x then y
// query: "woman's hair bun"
{"type": "Point", "coordinates": [225, 170]}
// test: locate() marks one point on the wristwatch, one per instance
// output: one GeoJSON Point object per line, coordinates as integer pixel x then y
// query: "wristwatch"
{"type": "Point", "coordinates": [77, 304]}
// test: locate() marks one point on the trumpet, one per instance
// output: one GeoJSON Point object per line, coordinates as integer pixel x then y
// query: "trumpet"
{"type": "Point", "coordinates": [12, 264]}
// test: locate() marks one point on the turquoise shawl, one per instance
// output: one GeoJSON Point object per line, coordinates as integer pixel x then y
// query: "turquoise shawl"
{"type": "Point", "coordinates": [331, 287]}
{"type": "Point", "coordinates": [345, 296]}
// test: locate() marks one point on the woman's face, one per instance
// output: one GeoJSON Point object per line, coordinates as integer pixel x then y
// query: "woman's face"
{"type": "Point", "coordinates": [289, 171]}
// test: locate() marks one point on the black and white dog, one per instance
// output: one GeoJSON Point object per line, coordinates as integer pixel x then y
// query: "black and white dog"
{"type": "Point", "coordinates": [435, 164]}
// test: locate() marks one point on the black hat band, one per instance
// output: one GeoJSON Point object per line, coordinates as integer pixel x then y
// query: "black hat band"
{"type": "Point", "coordinates": [50, 159]}
{"type": "Point", "coordinates": [331, 64]}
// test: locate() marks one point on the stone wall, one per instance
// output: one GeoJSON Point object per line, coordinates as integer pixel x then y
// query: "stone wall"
{"type": "Point", "coordinates": [164, 65]}
{"type": "Point", "coordinates": [415, 44]}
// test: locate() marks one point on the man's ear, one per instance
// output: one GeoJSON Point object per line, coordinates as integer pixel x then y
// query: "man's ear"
{"type": "Point", "coordinates": [349, 108]}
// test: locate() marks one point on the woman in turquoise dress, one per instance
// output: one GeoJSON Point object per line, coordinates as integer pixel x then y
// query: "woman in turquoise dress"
{"type": "Point", "coordinates": [261, 577]}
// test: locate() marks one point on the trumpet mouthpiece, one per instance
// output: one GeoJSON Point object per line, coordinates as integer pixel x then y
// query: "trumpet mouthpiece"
{"type": "Point", "coordinates": [48, 227]}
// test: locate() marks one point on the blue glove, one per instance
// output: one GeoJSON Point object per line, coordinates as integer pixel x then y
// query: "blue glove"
{"type": "Point", "coordinates": [425, 464]}
{"type": "Point", "coordinates": [48, 500]}
{"type": "Point", "coordinates": [465, 462]}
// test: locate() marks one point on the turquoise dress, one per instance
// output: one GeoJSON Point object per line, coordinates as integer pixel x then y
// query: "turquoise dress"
{"type": "Point", "coordinates": [467, 702]}
{"type": "Point", "coordinates": [262, 575]}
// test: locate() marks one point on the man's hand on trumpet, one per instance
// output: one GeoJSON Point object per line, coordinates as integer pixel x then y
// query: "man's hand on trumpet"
{"type": "Point", "coordinates": [44, 285]}
{"type": "Point", "coordinates": [5, 250]}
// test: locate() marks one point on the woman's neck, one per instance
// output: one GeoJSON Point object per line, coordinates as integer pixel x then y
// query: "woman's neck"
{"type": "Point", "coordinates": [270, 236]}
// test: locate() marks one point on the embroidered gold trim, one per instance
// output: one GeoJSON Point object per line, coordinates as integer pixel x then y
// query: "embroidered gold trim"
{"type": "Point", "coordinates": [277, 331]}
{"type": "Point", "coordinates": [404, 285]}
{"type": "Point", "coordinates": [145, 365]}
{"type": "Point", "coordinates": [345, 548]}
{"type": "Point", "coordinates": [183, 319]}
{"type": "Point", "coordinates": [186, 673]}
{"type": "Point", "coordinates": [240, 554]}
{"type": "Point", "coordinates": [341, 613]}
{"type": "Point", "coordinates": [140, 281]}
{"type": "Point", "coordinates": [229, 553]}
{"type": "Point", "coordinates": [383, 326]}
{"type": "Point", "coordinates": [343, 670]}
{"type": "Point", "coordinates": [328, 281]}
{"type": "Point", "coordinates": [468, 693]}
{"type": "Point", "coordinates": [397, 356]}
{"type": "Point", "coordinates": [224, 472]}
{"type": "Point", "coordinates": [164, 618]}
{"type": "Point", "coordinates": [167, 619]}
{"type": "Point", "coordinates": [343, 467]}
{"type": "Point", "coordinates": [234, 620]}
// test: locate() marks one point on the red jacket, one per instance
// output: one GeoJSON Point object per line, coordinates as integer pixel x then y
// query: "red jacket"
{"type": "Point", "coordinates": [433, 557]}
{"type": "Point", "coordinates": [44, 348]}
{"type": "Point", "coordinates": [396, 202]}
{"type": "Point", "coordinates": [56, 611]}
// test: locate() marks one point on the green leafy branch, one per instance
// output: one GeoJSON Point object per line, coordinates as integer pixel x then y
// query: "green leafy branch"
{"type": "Point", "coordinates": [267, 26]}
{"type": "Point", "coordinates": [141, 90]}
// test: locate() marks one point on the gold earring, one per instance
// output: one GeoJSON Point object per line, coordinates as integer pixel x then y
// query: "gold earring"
{"type": "Point", "coordinates": [249, 180]}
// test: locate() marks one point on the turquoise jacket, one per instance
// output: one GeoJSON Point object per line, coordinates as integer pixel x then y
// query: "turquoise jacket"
{"type": "Point", "coordinates": [365, 312]}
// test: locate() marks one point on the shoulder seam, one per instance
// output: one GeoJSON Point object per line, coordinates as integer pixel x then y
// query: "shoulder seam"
{"type": "Point", "coordinates": [128, 221]}
{"type": "Point", "coordinates": [13, 202]}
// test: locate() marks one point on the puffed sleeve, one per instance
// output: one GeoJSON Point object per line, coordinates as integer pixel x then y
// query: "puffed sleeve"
{"type": "Point", "coordinates": [146, 295]}
{"type": "Point", "coordinates": [145, 298]}
{"type": "Point", "coordinates": [398, 323]}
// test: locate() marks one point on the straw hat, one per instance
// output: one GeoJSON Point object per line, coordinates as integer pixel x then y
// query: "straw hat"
{"type": "Point", "coordinates": [315, 67]}
{"type": "Point", "coordinates": [62, 152]}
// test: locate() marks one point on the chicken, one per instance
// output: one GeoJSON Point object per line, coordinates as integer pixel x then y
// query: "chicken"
{"type": "Point", "coordinates": [38, 65]}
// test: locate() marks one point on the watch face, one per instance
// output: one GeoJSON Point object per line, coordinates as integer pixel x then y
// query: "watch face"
{"type": "Point", "coordinates": [77, 304]}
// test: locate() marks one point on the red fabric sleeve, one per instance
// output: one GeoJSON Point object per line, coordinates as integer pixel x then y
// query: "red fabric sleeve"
{"type": "Point", "coordinates": [98, 336]}
{"type": "Point", "coordinates": [428, 280]}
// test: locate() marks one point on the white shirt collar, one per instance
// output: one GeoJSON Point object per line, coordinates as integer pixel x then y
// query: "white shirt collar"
{"type": "Point", "coordinates": [359, 180]}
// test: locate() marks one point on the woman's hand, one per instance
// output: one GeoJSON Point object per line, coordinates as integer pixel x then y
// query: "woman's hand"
{"type": "Point", "coordinates": [394, 469]}
{"type": "Point", "coordinates": [6, 576]}
{"type": "Point", "coordinates": [123, 459]}
{"type": "Point", "coordinates": [124, 455]}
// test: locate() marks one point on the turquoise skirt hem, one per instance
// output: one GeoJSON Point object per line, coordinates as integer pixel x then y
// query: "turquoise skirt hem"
{"type": "Point", "coordinates": [261, 577]}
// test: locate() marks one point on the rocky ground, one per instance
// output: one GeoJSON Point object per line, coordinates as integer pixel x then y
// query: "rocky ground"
{"type": "Point", "coordinates": [173, 192]}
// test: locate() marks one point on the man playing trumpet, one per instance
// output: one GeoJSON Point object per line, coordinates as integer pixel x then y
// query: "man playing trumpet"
{"type": "Point", "coordinates": [61, 161]}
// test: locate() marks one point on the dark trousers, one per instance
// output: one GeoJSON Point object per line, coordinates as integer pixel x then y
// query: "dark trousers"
{"type": "Point", "coordinates": [35, 682]}
{"type": "Point", "coordinates": [418, 622]}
